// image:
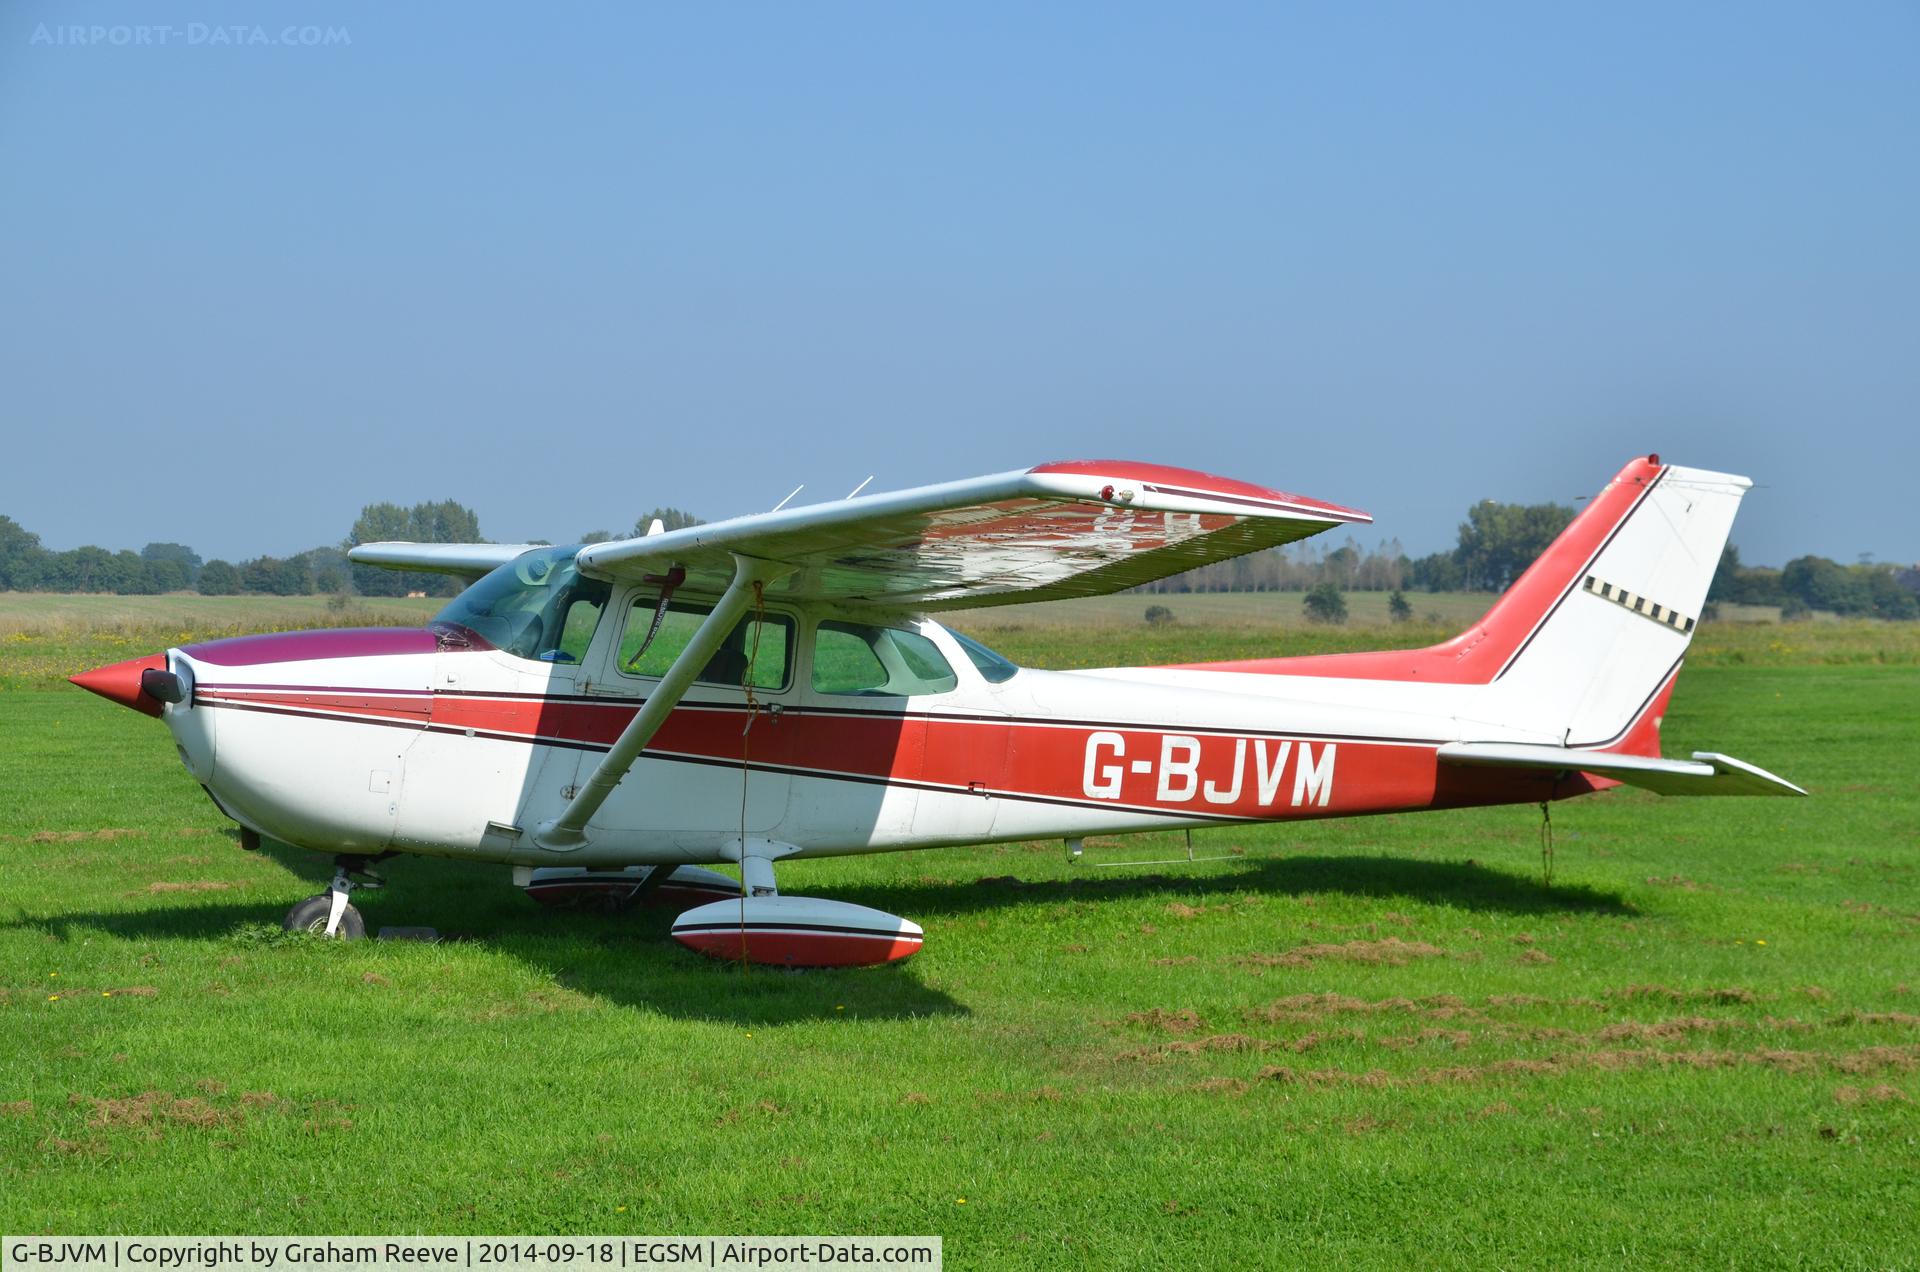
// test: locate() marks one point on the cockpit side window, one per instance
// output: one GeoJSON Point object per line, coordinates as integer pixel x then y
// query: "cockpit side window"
{"type": "Point", "coordinates": [758, 651]}
{"type": "Point", "coordinates": [536, 606]}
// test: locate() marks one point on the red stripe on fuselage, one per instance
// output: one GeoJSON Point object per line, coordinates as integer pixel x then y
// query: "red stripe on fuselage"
{"type": "Point", "coordinates": [403, 707]}
{"type": "Point", "coordinates": [1209, 774]}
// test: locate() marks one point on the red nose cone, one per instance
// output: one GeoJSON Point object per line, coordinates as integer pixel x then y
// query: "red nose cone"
{"type": "Point", "coordinates": [121, 682]}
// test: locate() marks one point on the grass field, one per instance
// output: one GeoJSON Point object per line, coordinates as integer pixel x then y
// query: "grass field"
{"type": "Point", "coordinates": [1378, 1042]}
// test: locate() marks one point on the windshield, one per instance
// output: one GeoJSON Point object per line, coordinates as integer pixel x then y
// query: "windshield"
{"type": "Point", "coordinates": [536, 606]}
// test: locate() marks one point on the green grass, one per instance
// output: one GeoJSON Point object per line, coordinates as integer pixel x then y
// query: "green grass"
{"type": "Point", "coordinates": [1377, 1041]}
{"type": "Point", "coordinates": [46, 637]}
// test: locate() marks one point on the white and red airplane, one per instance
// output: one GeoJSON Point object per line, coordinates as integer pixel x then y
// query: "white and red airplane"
{"type": "Point", "coordinates": [616, 716]}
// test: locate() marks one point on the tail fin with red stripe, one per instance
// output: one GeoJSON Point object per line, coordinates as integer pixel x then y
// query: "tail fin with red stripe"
{"type": "Point", "coordinates": [1584, 646]}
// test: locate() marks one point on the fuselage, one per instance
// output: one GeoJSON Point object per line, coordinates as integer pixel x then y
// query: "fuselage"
{"type": "Point", "coordinates": [415, 740]}
{"type": "Point", "coordinates": [815, 727]}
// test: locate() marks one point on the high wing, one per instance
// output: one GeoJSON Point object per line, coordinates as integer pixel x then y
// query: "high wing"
{"type": "Point", "coordinates": [1068, 529]}
{"type": "Point", "coordinates": [1080, 528]}
{"type": "Point", "coordinates": [1707, 773]}
{"type": "Point", "coordinates": [468, 560]}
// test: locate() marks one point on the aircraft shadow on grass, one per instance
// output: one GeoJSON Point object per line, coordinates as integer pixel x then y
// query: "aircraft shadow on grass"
{"type": "Point", "coordinates": [629, 959]}
{"type": "Point", "coordinates": [1465, 884]}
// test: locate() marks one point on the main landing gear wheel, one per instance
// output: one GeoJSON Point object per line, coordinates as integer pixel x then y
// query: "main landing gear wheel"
{"type": "Point", "coordinates": [312, 914]}
{"type": "Point", "coordinates": [329, 914]}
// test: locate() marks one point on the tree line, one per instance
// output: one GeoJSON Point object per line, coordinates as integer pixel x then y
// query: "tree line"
{"type": "Point", "coordinates": [1493, 546]}
{"type": "Point", "coordinates": [1497, 542]}
{"type": "Point", "coordinates": [28, 566]}
{"type": "Point", "coordinates": [1808, 583]}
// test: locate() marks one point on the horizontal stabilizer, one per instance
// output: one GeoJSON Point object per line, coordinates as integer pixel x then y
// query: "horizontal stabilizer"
{"type": "Point", "coordinates": [1707, 773]}
{"type": "Point", "coordinates": [467, 560]}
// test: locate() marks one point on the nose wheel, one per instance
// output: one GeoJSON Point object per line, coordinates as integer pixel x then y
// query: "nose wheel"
{"type": "Point", "coordinates": [330, 914]}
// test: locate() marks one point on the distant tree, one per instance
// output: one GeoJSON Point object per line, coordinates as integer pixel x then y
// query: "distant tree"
{"type": "Point", "coordinates": [31, 571]}
{"type": "Point", "coordinates": [598, 536]}
{"type": "Point", "coordinates": [56, 572]}
{"type": "Point", "coordinates": [443, 522]}
{"type": "Point", "coordinates": [261, 575]}
{"type": "Point", "coordinates": [168, 576]}
{"type": "Point", "coordinates": [1886, 596]}
{"type": "Point", "coordinates": [1726, 577]}
{"type": "Point", "coordinates": [1325, 604]}
{"type": "Point", "coordinates": [129, 574]}
{"type": "Point", "coordinates": [1821, 584]}
{"type": "Point", "coordinates": [179, 554]}
{"type": "Point", "coordinates": [1499, 540]}
{"type": "Point", "coordinates": [295, 578]}
{"type": "Point", "coordinates": [380, 523]}
{"type": "Point", "coordinates": [20, 568]}
{"type": "Point", "coordinates": [1342, 564]}
{"type": "Point", "coordinates": [1439, 572]}
{"type": "Point", "coordinates": [218, 578]}
{"type": "Point", "coordinates": [86, 569]}
{"type": "Point", "coordinates": [328, 568]}
{"type": "Point", "coordinates": [670, 518]}
{"type": "Point", "coordinates": [1398, 607]}
{"type": "Point", "coordinates": [1757, 585]}
{"type": "Point", "coordinates": [1158, 615]}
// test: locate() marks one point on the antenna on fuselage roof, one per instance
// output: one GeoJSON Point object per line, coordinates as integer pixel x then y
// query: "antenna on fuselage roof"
{"type": "Point", "coordinates": [862, 486]}
{"type": "Point", "coordinates": [790, 494]}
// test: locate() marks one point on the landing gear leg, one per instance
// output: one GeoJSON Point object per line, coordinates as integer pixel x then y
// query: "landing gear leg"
{"type": "Point", "coordinates": [330, 914]}
{"type": "Point", "coordinates": [757, 874]}
{"type": "Point", "coordinates": [652, 883]}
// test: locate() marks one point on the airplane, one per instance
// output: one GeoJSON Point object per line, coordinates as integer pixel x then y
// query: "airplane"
{"type": "Point", "coordinates": [613, 719]}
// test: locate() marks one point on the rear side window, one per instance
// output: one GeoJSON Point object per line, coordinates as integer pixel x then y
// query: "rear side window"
{"type": "Point", "coordinates": [994, 668]}
{"type": "Point", "coordinates": [763, 647]}
{"type": "Point", "coordinates": [854, 658]}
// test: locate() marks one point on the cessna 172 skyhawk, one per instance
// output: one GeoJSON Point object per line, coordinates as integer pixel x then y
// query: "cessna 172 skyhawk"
{"type": "Point", "coordinates": [617, 715]}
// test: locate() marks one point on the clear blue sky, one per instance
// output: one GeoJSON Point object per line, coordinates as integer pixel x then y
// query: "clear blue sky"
{"type": "Point", "coordinates": [566, 263]}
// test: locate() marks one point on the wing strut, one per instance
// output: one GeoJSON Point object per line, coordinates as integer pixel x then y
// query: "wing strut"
{"type": "Point", "coordinates": [569, 830]}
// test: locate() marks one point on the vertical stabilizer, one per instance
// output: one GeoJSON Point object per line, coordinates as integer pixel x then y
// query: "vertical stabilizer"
{"type": "Point", "coordinates": [1598, 665]}
{"type": "Point", "coordinates": [1584, 646]}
